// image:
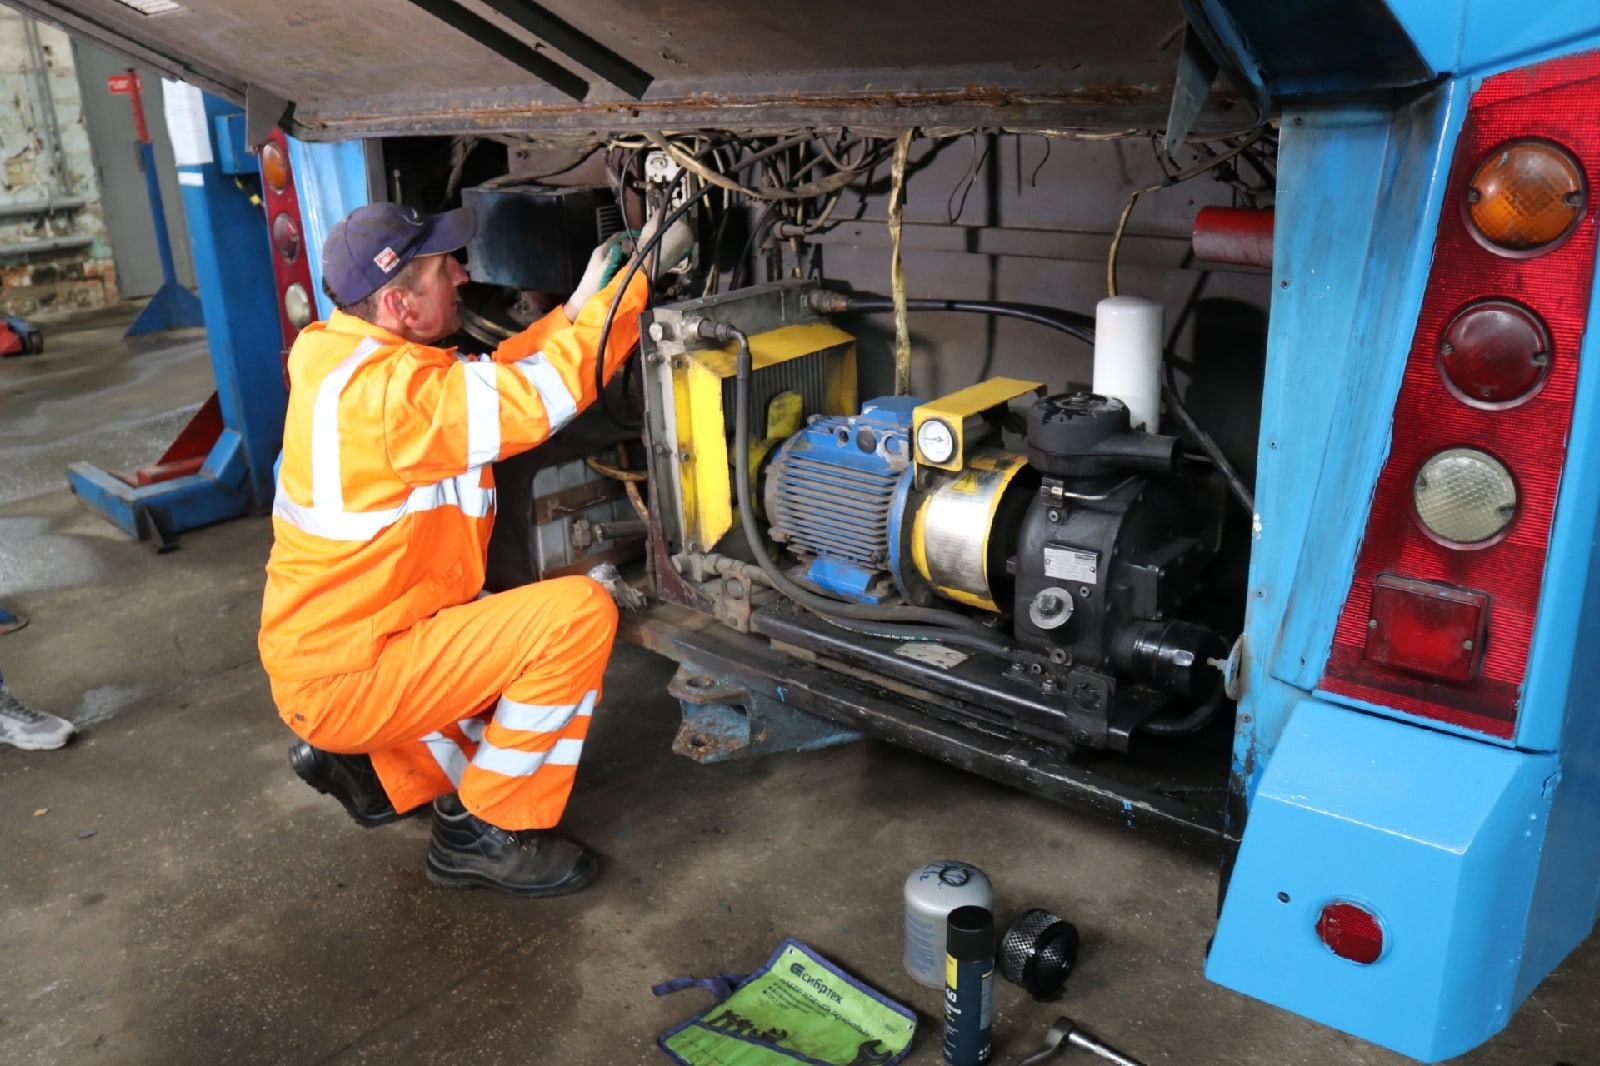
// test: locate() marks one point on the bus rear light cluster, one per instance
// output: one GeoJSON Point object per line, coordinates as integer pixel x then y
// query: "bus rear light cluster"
{"type": "Point", "coordinates": [1440, 614]}
{"type": "Point", "coordinates": [290, 270]}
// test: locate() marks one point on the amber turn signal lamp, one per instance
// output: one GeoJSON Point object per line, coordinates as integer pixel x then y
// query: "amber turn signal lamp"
{"type": "Point", "coordinates": [275, 166]}
{"type": "Point", "coordinates": [1525, 196]}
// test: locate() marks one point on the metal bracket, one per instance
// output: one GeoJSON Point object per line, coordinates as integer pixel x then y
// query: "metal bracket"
{"type": "Point", "coordinates": [1197, 71]}
{"type": "Point", "coordinates": [263, 113]}
{"type": "Point", "coordinates": [724, 720]}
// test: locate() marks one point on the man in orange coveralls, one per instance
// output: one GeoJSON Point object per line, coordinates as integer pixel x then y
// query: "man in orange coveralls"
{"type": "Point", "coordinates": [404, 686]}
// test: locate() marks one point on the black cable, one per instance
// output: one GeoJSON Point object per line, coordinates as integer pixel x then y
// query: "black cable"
{"type": "Point", "coordinates": [1072, 323]}
{"type": "Point", "coordinates": [640, 255]}
{"type": "Point", "coordinates": [887, 621]}
{"type": "Point", "coordinates": [1192, 722]}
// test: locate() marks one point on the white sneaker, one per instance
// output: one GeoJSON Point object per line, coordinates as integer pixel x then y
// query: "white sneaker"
{"type": "Point", "coordinates": [24, 727]}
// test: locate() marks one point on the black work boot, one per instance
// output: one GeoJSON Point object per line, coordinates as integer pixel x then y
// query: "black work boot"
{"type": "Point", "coordinates": [350, 779]}
{"type": "Point", "coordinates": [468, 852]}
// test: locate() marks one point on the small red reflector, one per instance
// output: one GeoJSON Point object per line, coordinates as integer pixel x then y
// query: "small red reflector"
{"type": "Point", "coordinates": [1426, 628]}
{"type": "Point", "coordinates": [1351, 932]}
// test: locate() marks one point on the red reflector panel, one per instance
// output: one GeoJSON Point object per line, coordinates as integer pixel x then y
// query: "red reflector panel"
{"type": "Point", "coordinates": [1426, 628]}
{"type": "Point", "coordinates": [1351, 932]}
{"type": "Point", "coordinates": [1492, 372]}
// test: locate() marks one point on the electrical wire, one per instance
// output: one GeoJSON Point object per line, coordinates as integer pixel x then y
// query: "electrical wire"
{"type": "Point", "coordinates": [897, 274]}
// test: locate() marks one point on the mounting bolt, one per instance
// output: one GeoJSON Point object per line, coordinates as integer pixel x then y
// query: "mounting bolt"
{"type": "Point", "coordinates": [658, 332]}
{"type": "Point", "coordinates": [679, 362]}
{"type": "Point", "coordinates": [1054, 515]}
{"type": "Point", "coordinates": [684, 456]}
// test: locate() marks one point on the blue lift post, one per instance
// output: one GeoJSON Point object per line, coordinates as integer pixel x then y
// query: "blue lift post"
{"type": "Point", "coordinates": [232, 260]}
{"type": "Point", "coordinates": [173, 306]}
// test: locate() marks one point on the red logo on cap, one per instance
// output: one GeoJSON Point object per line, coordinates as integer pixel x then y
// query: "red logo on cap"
{"type": "Point", "coordinates": [386, 260]}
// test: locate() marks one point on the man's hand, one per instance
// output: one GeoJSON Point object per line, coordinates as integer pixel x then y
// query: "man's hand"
{"type": "Point", "coordinates": [623, 594]}
{"type": "Point", "coordinates": [604, 263]}
{"type": "Point", "coordinates": [675, 243]}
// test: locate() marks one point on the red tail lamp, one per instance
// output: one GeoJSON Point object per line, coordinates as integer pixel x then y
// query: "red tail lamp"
{"type": "Point", "coordinates": [286, 235]}
{"type": "Point", "coordinates": [1426, 628]}
{"type": "Point", "coordinates": [1494, 354]}
{"type": "Point", "coordinates": [1351, 932]}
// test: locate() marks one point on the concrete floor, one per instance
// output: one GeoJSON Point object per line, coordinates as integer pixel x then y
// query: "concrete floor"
{"type": "Point", "coordinates": [171, 893]}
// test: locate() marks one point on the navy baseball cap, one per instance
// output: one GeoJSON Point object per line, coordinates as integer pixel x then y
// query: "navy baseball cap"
{"type": "Point", "coordinates": [368, 246]}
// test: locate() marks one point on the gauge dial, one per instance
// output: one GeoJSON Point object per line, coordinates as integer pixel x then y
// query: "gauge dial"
{"type": "Point", "coordinates": [936, 441]}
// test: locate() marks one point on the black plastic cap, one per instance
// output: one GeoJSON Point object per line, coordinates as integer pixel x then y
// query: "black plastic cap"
{"type": "Point", "coordinates": [1038, 953]}
{"type": "Point", "coordinates": [969, 934]}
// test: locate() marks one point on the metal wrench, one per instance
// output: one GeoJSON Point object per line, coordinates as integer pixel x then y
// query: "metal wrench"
{"type": "Point", "coordinates": [1066, 1032]}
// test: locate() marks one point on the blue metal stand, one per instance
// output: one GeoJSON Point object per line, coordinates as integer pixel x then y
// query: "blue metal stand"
{"type": "Point", "coordinates": [173, 306]}
{"type": "Point", "coordinates": [232, 260]}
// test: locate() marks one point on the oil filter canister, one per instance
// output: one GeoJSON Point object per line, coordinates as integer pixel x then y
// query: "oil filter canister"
{"type": "Point", "coordinates": [932, 892]}
{"type": "Point", "coordinates": [969, 987]}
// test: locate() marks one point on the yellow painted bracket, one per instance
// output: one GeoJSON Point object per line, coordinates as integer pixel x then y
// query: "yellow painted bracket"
{"type": "Point", "coordinates": [954, 410]}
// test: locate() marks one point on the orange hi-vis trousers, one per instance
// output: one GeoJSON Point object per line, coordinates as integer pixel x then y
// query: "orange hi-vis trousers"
{"type": "Point", "coordinates": [491, 699]}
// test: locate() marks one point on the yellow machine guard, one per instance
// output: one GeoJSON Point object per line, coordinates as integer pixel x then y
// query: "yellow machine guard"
{"type": "Point", "coordinates": [704, 429]}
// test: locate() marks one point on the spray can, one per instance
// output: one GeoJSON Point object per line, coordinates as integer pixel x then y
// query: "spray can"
{"type": "Point", "coordinates": [931, 893]}
{"type": "Point", "coordinates": [969, 986]}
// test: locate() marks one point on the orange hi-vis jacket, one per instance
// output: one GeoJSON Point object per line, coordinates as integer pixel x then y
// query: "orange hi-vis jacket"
{"type": "Point", "coordinates": [385, 499]}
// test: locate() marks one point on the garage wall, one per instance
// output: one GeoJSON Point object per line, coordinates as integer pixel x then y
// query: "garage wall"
{"type": "Point", "coordinates": [54, 255]}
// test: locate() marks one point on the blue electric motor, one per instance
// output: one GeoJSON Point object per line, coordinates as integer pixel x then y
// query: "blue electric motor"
{"type": "Point", "coordinates": [837, 495]}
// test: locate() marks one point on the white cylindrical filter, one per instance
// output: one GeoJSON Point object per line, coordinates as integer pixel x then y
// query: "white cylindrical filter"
{"type": "Point", "coordinates": [1127, 356]}
{"type": "Point", "coordinates": [932, 892]}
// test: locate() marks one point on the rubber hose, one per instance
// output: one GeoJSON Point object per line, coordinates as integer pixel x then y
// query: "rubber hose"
{"type": "Point", "coordinates": [1071, 323]}
{"type": "Point", "coordinates": [641, 253]}
{"type": "Point", "coordinates": [1192, 722]}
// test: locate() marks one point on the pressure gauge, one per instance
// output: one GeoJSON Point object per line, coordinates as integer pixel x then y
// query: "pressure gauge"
{"type": "Point", "coordinates": [936, 441]}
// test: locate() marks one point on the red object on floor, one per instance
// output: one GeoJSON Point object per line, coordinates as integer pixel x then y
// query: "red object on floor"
{"type": "Point", "coordinates": [10, 343]}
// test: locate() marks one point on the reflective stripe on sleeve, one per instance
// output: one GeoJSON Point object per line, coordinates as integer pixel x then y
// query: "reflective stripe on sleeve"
{"type": "Point", "coordinates": [335, 523]}
{"type": "Point", "coordinates": [448, 754]}
{"type": "Point", "coordinates": [483, 413]}
{"type": "Point", "coordinates": [327, 490]}
{"type": "Point", "coordinates": [509, 762]}
{"type": "Point", "coordinates": [559, 406]}
{"type": "Point", "coordinates": [472, 728]}
{"type": "Point", "coordinates": [542, 718]}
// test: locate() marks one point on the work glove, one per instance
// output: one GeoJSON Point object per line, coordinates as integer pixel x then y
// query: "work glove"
{"type": "Point", "coordinates": [675, 243]}
{"type": "Point", "coordinates": [604, 262]}
{"type": "Point", "coordinates": [623, 594]}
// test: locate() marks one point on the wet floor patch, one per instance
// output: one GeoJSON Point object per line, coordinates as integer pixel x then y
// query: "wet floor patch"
{"type": "Point", "coordinates": [33, 559]}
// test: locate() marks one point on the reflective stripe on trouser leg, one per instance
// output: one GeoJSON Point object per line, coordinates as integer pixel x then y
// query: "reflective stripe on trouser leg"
{"type": "Point", "coordinates": [529, 756]}
{"type": "Point", "coordinates": [543, 645]}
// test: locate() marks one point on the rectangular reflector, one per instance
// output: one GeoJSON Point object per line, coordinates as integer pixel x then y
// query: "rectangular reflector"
{"type": "Point", "coordinates": [1426, 628]}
